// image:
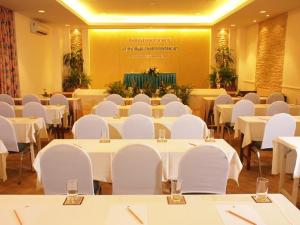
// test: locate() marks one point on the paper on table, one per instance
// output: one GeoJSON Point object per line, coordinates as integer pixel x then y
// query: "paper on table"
{"type": "Point", "coordinates": [119, 215]}
{"type": "Point", "coordinates": [246, 211]}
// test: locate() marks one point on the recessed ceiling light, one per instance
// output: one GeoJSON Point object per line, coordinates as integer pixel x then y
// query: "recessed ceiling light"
{"type": "Point", "coordinates": [41, 11]}
{"type": "Point", "coordinates": [267, 15]}
{"type": "Point", "coordinates": [254, 21]}
{"type": "Point", "coordinates": [262, 11]}
{"type": "Point", "coordinates": [232, 25]}
{"type": "Point", "coordinates": [67, 25]}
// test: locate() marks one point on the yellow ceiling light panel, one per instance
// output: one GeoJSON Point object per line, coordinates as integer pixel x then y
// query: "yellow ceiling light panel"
{"type": "Point", "coordinates": [210, 12]}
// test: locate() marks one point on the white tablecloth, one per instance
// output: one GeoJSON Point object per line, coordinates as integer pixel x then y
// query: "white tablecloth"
{"type": "Point", "coordinates": [154, 210]}
{"type": "Point", "coordinates": [253, 128]}
{"type": "Point", "coordinates": [102, 153]}
{"type": "Point", "coordinates": [224, 111]}
{"type": "Point", "coordinates": [3, 155]}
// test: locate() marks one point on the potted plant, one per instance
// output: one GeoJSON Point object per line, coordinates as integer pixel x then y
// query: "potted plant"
{"type": "Point", "coordinates": [74, 76]}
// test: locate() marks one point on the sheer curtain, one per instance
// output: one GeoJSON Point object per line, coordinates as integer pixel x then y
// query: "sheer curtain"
{"type": "Point", "coordinates": [9, 77]}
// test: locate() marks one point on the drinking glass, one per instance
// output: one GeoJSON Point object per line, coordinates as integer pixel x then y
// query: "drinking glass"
{"type": "Point", "coordinates": [162, 135]}
{"type": "Point", "coordinates": [211, 135]}
{"type": "Point", "coordinates": [176, 190]}
{"type": "Point", "coordinates": [103, 136]}
{"type": "Point", "coordinates": [261, 189]}
{"type": "Point", "coordinates": [72, 188]}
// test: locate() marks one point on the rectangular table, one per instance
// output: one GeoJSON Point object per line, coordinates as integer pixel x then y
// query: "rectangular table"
{"type": "Point", "coordinates": [3, 156]}
{"type": "Point", "coordinates": [286, 158]}
{"type": "Point", "coordinates": [152, 209]}
{"type": "Point", "coordinates": [101, 154]}
{"type": "Point", "coordinates": [154, 101]}
{"type": "Point", "coordinates": [138, 79]}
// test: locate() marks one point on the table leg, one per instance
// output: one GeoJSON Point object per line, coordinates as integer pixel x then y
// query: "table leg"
{"type": "Point", "coordinates": [32, 156]}
{"type": "Point", "coordinates": [241, 147]}
{"type": "Point", "coordinates": [282, 169]}
{"type": "Point", "coordinates": [295, 191]}
{"type": "Point", "coordinates": [249, 157]}
{"type": "Point", "coordinates": [222, 130]}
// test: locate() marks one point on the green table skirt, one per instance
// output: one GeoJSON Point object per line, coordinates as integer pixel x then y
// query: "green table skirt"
{"type": "Point", "coordinates": [140, 78]}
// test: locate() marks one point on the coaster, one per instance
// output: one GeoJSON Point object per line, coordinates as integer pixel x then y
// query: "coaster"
{"type": "Point", "coordinates": [180, 200]}
{"type": "Point", "coordinates": [117, 117]}
{"type": "Point", "coordinates": [263, 200]}
{"type": "Point", "coordinates": [104, 141]}
{"type": "Point", "coordinates": [73, 200]}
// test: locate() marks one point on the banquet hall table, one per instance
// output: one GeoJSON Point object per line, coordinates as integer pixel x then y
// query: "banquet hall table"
{"type": "Point", "coordinates": [286, 159]}
{"type": "Point", "coordinates": [151, 209]}
{"type": "Point", "coordinates": [140, 78]}
{"type": "Point", "coordinates": [3, 155]}
{"type": "Point", "coordinates": [101, 154]}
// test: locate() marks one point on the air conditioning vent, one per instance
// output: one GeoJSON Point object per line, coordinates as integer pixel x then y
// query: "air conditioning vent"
{"type": "Point", "coordinates": [38, 28]}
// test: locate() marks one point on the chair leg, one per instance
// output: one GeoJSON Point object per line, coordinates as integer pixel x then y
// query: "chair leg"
{"type": "Point", "coordinates": [258, 158]}
{"type": "Point", "coordinates": [21, 167]}
{"type": "Point", "coordinates": [249, 158]}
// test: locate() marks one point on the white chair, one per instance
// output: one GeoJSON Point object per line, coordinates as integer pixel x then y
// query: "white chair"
{"type": "Point", "coordinates": [242, 108]}
{"type": "Point", "coordinates": [30, 98]}
{"type": "Point", "coordinates": [221, 99]}
{"type": "Point", "coordinates": [253, 97]}
{"type": "Point", "coordinates": [140, 108]}
{"type": "Point", "coordinates": [7, 98]}
{"type": "Point", "coordinates": [35, 109]}
{"type": "Point", "coordinates": [107, 108]}
{"type": "Point", "coordinates": [136, 169]}
{"type": "Point", "coordinates": [167, 98]}
{"type": "Point", "coordinates": [280, 125]}
{"type": "Point", "coordinates": [188, 127]}
{"type": "Point", "coordinates": [138, 127]}
{"type": "Point", "coordinates": [59, 99]}
{"type": "Point", "coordinates": [7, 110]}
{"type": "Point", "coordinates": [117, 99]}
{"type": "Point", "coordinates": [142, 98]}
{"type": "Point", "coordinates": [175, 109]}
{"type": "Point", "coordinates": [275, 97]}
{"type": "Point", "coordinates": [9, 138]}
{"type": "Point", "coordinates": [90, 127]}
{"type": "Point", "coordinates": [188, 109]}
{"type": "Point", "coordinates": [64, 162]}
{"type": "Point", "coordinates": [277, 107]}
{"type": "Point", "coordinates": [203, 169]}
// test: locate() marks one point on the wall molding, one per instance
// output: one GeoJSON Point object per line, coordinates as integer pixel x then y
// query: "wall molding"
{"type": "Point", "coordinates": [290, 87]}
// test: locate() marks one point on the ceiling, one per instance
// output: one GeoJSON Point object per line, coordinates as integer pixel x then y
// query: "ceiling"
{"type": "Point", "coordinates": [150, 13]}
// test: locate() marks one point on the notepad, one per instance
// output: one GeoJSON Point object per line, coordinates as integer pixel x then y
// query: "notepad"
{"type": "Point", "coordinates": [246, 211]}
{"type": "Point", "coordinates": [119, 215]}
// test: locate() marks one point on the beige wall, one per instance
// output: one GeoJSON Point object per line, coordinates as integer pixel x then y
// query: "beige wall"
{"type": "Point", "coordinates": [39, 57]}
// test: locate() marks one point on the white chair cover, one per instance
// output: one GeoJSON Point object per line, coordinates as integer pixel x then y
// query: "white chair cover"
{"type": "Point", "coordinates": [59, 99]}
{"type": "Point", "coordinates": [221, 99]}
{"type": "Point", "coordinates": [63, 162]}
{"type": "Point", "coordinates": [175, 109]}
{"type": "Point", "coordinates": [167, 98]}
{"type": "Point", "coordinates": [30, 98]}
{"type": "Point", "coordinates": [8, 135]}
{"type": "Point", "coordinates": [107, 108]}
{"type": "Point", "coordinates": [275, 97]}
{"type": "Point", "coordinates": [188, 109]}
{"type": "Point", "coordinates": [203, 169]}
{"type": "Point", "coordinates": [188, 127]}
{"type": "Point", "coordinates": [138, 127]}
{"type": "Point", "coordinates": [280, 125]}
{"type": "Point", "coordinates": [90, 127]}
{"type": "Point", "coordinates": [277, 107]}
{"type": "Point", "coordinates": [142, 98]}
{"type": "Point", "coordinates": [242, 108]}
{"type": "Point", "coordinates": [117, 99]}
{"type": "Point", "coordinates": [7, 98]}
{"type": "Point", "coordinates": [136, 169]}
{"type": "Point", "coordinates": [7, 110]}
{"type": "Point", "coordinates": [253, 97]}
{"type": "Point", "coordinates": [140, 108]}
{"type": "Point", "coordinates": [34, 109]}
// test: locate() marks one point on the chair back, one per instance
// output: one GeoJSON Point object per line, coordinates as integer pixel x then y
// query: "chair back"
{"type": "Point", "coordinates": [7, 98]}
{"type": "Point", "coordinates": [8, 135]}
{"type": "Point", "coordinates": [64, 162]}
{"type": "Point", "coordinates": [140, 108]}
{"type": "Point", "coordinates": [142, 98]}
{"type": "Point", "coordinates": [242, 108]}
{"type": "Point", "coordinates": [167, 98]}
{"type": "Point", "coordinates": [7, 110]}
{"type": "Point", "coordinates": [107, 108]}
{"type": "Point", "coordinates": [188, 127]}
{"type": "Point", "coordinates": [221, 99]}
{"type": "Point", "coordinates": [204, 169]}
{"type": "Point", "coordinates": [280, 125]}
{"type": "Point", "coordinates": [59, 99]}
{"type": "Point", "coordinates": [175, 109]}
{"type": "Point", "coordinates": [253, 97]}
{"type": "Point", "coordinates": [136, 169]}
{"type": "Point", "coordinates": [117, 99]}
{"type": "Point", "coordinates": [138, 127]}
{"type": "Point", "coordinates": [275, 97]}
{"type": "Point", "coordinates": [34, 109]}
{"type": "Point", "coordinates": [30, 98]}
{"type": "Point", "coordinates": [277, 107]}
{"type": "Point", "coordinates": [90, 127]}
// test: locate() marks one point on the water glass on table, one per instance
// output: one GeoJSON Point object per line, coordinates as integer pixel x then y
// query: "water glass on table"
{"type": "Point", "coordinates": [72, 189]}
{"type": "Point", "coordinates": [162, 135]}
{"type": "Point", "coordinates": [176, 190]}
{"type": "Point", "coordinates": [261, 189]}
{"type": "Point", "coordinates": [211, 135]}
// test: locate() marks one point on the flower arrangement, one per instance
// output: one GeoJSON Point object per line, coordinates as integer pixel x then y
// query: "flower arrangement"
{"type": "Point", "coordinates": [152, 71]}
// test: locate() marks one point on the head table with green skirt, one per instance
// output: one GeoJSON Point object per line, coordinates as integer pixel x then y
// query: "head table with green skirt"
{"type": "Point", "coordinates": [140, 78]}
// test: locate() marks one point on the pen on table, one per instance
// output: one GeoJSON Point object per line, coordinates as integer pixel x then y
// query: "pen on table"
{"type": "Point", "coordinates": [18, 217]}
{"type": "Point", "coordinates": [192, 144]}
{"type": "Point", "coordinates": [134, 215]}
{"type": "Point", "coordinates": [241, 217]}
